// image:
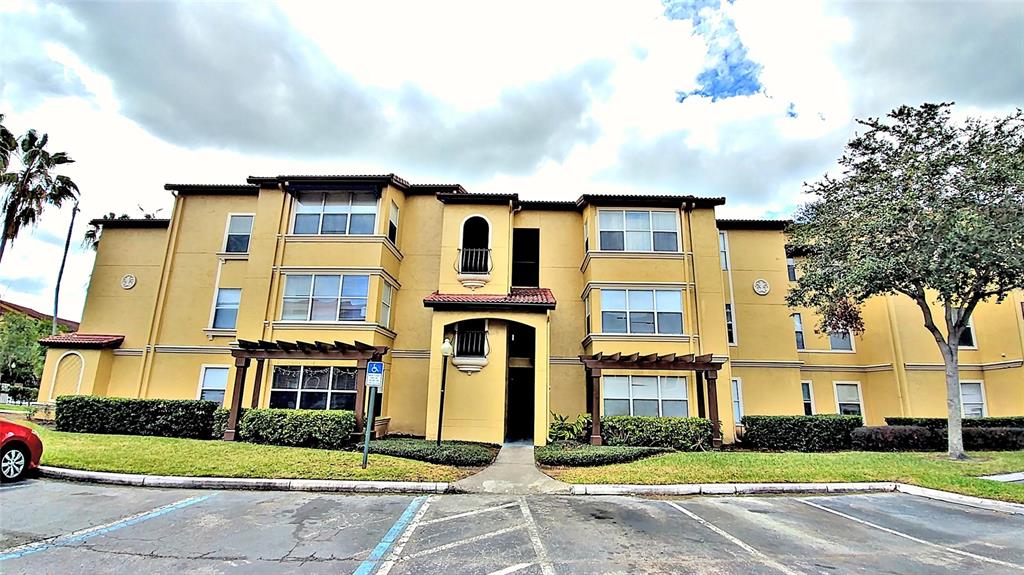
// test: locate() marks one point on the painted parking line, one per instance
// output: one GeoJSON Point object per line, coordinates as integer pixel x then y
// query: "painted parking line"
{"type": "Point", "coordinates": [531, 527]}
{"type": "Point", "coordinates": [953, 550]}
{"type": "Point", "coordinates": [735, 540]}
{"type": "Point", "coordinates": [512, 569]}
{"type": "Point", "coordinates": [371, 562]}
{"type": "Point", "coordinates": [470, 513]}
{"type": "Point", "coordinates": [462, 542]}
{"type": "Point", "coordinates": [82, 535]}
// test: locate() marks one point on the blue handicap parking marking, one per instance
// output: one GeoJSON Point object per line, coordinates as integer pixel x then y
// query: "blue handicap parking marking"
{"type": "Point", "coordinates": [375, 367]}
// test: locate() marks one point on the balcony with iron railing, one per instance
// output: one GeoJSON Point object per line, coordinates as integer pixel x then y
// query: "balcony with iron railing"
{"type": "Point", "coordinates": [470, 351]}
{"type": "Point", "coordinates": [473, 267]}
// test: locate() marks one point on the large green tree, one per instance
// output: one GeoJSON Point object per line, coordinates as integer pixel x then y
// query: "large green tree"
{"type": "Point", "coordinates": [21, 356]}
{"type": "Point", "coordinates": [34, 185]}
{"type": "Point", "coordinates": [926, 207]}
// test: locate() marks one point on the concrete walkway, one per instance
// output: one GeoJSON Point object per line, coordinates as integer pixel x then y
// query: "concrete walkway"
{"type": "Point", "coordinates": [514, 472]}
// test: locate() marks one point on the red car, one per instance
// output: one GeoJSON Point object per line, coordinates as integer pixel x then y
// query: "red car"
{"type": "Point", "coordinates": [20, 450]}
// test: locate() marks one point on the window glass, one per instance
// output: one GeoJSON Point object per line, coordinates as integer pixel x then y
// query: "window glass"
{"type": "Point", "coordinates": [309, 202]}
{"type": "Point", "coordinates": [840, 341]}
{"type": "Point", "coordinates": [225, 313]}
{"type": "Point", "coordinates": [637, 230]}
{"type": "Point", "coordinates": [848, 398]}
{"type": "Point", "coordinates": [972, 400]}
{"type": "Point", "coordinates": [239, 229]}
{"type": "Point", "coordinates": [737, 401]}
{"type": "Point", "coordinates": [325, 297]}
{"type": "Point", "coordinates": [335, 213]}
{"type": "Point", "coordinates": [313, 387]}
{"type": "Point", "coordinates": [729, 329]}
{"type": "Point", "coordinates": [613, 322]}
{"type": "Point", "coordinates": [673, 388]}
{"type": "Point", "coordinates": [393, 224]}
{"type": "Point", "coordinates": [664, 221]}
{"type": "Point", "coordinates": [723, 250]}
{"type": "Point", "coordinates": [642, 311]}
{"type": "Point", "coordinates": [967, 337]}
{"type": "Point", "coordinates": [616, 386]}
{"type": "Point", "coordinates": [798, 328]}
{"type": "Point", "coordinates": [214, 384]}
{"type": "Point", "coordinates": [670, 300]}
{"type": "Point", "coordinates": [613, 299]}
{"type": "Point", "coordinates": [354, 291]}
{"type": "Point", "coordinates": [385, 304]}
{"type": "Point", "coordinates": [791, 269]}
{"type": "Point", "coordinates": [645, 395]}
{"type": "Point", "coordinates": [805, 391]}
{"type": "Point", "coordinates": [641, 300]}
{"type": "Point", "coordinates": [608, 220]}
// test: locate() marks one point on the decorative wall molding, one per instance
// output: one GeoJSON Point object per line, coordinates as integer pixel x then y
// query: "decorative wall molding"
{"type": "Point", "coordinates": [631, 256]}
{"type": "Point", "coordinates": [196, 349]}
{"type": "Point", "coordinates": [128, 352]}
{"type": "Point", "coordinates": [410, 353]}
{"type": "Point", "coordinates": [334, 325]}
{"type": "Point", "coordinates": [776, 363]}
{"type": "Point", "coordinates": [373, 271]}
{"type": "Point", "coordinates": [627, 337]}
{"type": "Point", "coordinates": [856, 368]}
{"type": "Point", "coordinates": [565, 361]}
{"type": "Point", "coordinates": [992, 366]}
{"type": "Point", "coordinates": [343, 239]}
{"type": "Point", "coordinates": [683, 286]}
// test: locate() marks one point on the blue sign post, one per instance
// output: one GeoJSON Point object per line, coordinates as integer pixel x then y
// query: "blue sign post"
{"type": "Point", "coordinates": [374, 381]}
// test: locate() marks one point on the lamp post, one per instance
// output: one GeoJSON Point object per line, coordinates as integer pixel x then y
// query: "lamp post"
{"type": "Point", "coordinates": [446, 352]}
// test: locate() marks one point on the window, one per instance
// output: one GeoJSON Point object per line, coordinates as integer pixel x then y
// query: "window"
{"type": "Point", "coordinates": [239, 230]}
{"type": "Point", "coordinates": [385, 304]}
{"type": "Point", "coordinates": [730, 329]}
{"type": "Point", "coordinates": [791, 269]}
{"type": "Point", "coordinates": [967, 336]}
{"type": "Point", "coordinates": [972, 399]}
{"type": "Point", "coordinates": [808, 397]}
{"type": "Point", "coordinates": [642, 311]}
{"type": "Point", "coordinates": [313, 387]}
{"type": "Point", "coordinates": [638, 231]}
{"type": "Point", "coordinates": [723, 250]}
{"type": "Point", "coordinates": [471, 338]}
{"type": "Point", "coordinates": [656, 396]}
{"type": "Point", "coordinates": [840, 341]}
{"type": "Point", "coordinates": [586, 307]}
{"type": "Point", "coordinates": [225, 310]}
{"type": "Point", "coordinates": [848, 399]}
{"type": "Point", "coordinates": [213, 383]}
{"type": "Point", "coordinates": [586, 236]}
{"type": "Point", "coordinates": [325, 297]}
{"type": "Point", "coordinates": [737, 400]}
{"type": "Point", "coordinates": [393, 224]}
{"type": "Point", "coordinates": [352, 213]}
{"type": "Point", "coordinates": [798, 327]}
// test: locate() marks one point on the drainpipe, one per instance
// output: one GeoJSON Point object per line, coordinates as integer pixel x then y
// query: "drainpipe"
{"type": "Point", "coordinates": [899, 367]}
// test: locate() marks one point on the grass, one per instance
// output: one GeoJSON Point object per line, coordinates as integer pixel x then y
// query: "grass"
{"type": "Point", "coordinates": [15, 407]}
{"type": "Point", "coordinates": [924, 469]}
{"type": "Point", "coordinates": [212, 458]}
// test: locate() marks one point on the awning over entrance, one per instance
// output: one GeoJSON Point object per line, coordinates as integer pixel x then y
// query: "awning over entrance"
{"type": "Point", "coordinates": [263, 350]}
{"type": "Point", "coordinates": [704, 365]}
{"type": "Point", "coordinates": [518, 299]}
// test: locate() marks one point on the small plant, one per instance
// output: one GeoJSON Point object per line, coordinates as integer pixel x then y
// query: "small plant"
{"type": "Point", "coordinates": [564, 429]}
{"type": "Point", "coordinates": [571, 454]}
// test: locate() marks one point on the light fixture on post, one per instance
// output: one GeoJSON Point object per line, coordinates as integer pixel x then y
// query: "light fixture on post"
{"type": "Point", "coordinates": [446, 352]}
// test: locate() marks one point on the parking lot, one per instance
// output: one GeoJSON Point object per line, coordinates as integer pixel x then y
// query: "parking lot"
{"type": "Point", "coordinates": [57, 527]}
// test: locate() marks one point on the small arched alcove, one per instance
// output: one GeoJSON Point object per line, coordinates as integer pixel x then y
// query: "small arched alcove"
{"type": "Point", "coordinates": [474, 263]}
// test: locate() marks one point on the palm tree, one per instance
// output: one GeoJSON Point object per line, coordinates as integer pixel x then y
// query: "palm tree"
{"type": "Point", "coordinates": [27, 192]}
{"type": "Point", "coordinates": [60, 274]}
{"type": "Point", "coordinates": [8, 143]}
{"type": "Point", "coordinates": [91, 239]}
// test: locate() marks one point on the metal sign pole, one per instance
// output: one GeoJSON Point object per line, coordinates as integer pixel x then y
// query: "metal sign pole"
{"type": "Point", "coordinates": [369, 426]}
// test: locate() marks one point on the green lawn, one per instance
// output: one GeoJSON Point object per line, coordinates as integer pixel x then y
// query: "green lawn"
{"type": "Point", "coordinates": [924, 469]}
{"type": "Point", "coordinates": [213, 458]}
{"type": "Point", "coordinates": [15, 407]}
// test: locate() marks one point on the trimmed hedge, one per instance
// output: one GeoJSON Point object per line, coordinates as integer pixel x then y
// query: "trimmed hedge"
{"type": "Point", "coordinates": [917, 438]}
{"type": "Point", "coordinates": [188, 418]}
{"type": "Point", "coordinates": [462, 453]}
{"type": "Point", "coordinates": [571, 454]}
{"type": "Point", "coordinates": [813, 433]}
{"type": "Point", "coordinates": [942, 422]}
{"type": "Point", "coordinates": [220, 422]}
{"type": "Point", "coordinates": [679, 433]}
{"type": "Point", "coordinates": [299, 427]}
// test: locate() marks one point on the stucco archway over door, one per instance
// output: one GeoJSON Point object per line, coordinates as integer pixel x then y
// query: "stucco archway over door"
{"type": "Point", "coordinates": [67, 380]}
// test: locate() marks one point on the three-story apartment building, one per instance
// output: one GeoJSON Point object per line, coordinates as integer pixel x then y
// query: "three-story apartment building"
{"type": "Point", "coordinates": [643, 305]}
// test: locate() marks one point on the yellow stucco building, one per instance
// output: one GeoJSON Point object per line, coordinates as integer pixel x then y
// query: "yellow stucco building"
{"type": "Point", "coordinates": [524, 289]}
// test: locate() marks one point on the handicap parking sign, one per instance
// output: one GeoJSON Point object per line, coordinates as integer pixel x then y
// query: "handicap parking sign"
{"type": "Point", "coordinates": [375, 374]}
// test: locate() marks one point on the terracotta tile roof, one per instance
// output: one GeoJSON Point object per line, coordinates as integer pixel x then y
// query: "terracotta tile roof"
{"type": "Point", "coordinates": [83, 340]}
{"type": "Point", "coordinates": [517, 298]}
{"type": "Point", "coordinates": [9, 307]}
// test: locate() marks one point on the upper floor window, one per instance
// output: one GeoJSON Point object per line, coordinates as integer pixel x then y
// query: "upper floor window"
{"type": "Point", "coordinates": [650, 395]}
{"type": "Point", "coordinates": [475, 253]}
{"type": "Point", "coordinates": [309, 297]}
{"type": "Point", "coordinates": [638, 230]}
{"type": "Point", "coordinates": [239, 230]}
{"type": "Point", "coordinates": [798, 327]}
{"type": "Point", "coordinates": [393, 224]}
{"type": "Point", "coordinates": [642, 311]}
{"type": "Point", "coordinates": [586, 236]}
{"type": "Point", "coordinates": [225, 309]}
{"type": "Point", "coordinates": [730, 328]}
{"type": "Point", "coordinates": [586, 308]}
{"type": "Point", "coordinates": [967, 335]}
{"type": "Point", "coordinates": [791, 269]}
{"type": "Point", "coordinates": [352, 213]}
{"type": "Point", "coordinates": [840, 341]}
{"type": "Point", "coordinates": [387, 292]}
{"type": "Point", "coordinates": [723, 249]}
{"type": "Point", "coordinates": [471, 338]}
{"type": "Point", "coordinates": [972, 399]}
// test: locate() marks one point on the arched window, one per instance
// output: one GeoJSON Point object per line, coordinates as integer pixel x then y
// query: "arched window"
{"type": "Point", "coordinates": [475, 255]}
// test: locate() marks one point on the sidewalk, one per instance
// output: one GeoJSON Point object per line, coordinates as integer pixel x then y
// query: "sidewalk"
{"type": "Point", "coordinates": [514, 472]}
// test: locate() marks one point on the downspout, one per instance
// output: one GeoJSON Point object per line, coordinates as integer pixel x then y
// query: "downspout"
{"type": "Point", "coordinates": [687, 209]}
{"type": "Point", "coordinates": [899, 367]}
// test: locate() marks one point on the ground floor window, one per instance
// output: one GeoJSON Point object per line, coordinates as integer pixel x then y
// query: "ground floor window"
{"type": "Point", "coordinates": [808, 397]}
{"type": "Point", "coordinates": [848, 399]}
{"type": "Point", "coordinates": [213, 383]}
{"type": "Point", "coordinates": [313, 387]}
{"type": "Point", "coordinates": [737, 400]}
{"type": "Point", "coordinates": [972, 398]}
{"type": "Point", "coordinates": [652, 395]}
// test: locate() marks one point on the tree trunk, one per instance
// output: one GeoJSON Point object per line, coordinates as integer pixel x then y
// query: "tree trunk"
{"type": "Point", "coordinates": [953, 407]}
{"type": "Point", "coordinates": [60, 274]}
{"type": "Point", "coordinates": [3, 245]}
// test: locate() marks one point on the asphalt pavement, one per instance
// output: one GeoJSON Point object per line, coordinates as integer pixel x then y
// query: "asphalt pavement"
{"type": "Point", "coordinates": [49, 526]}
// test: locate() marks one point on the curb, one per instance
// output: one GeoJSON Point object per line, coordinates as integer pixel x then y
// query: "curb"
{"type": "Point", "coordinates": [979, 502]}
{"type": "Point", "coordinates": [322, 485]}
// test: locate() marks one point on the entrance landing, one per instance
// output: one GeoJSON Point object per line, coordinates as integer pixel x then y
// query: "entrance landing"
{"type": "Point", "coordinates": [514, 472]}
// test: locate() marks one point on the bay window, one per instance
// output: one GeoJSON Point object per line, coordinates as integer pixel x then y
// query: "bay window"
{"type": "Point", "coordinates": [638, 230]}
{"type": "Point", "coordinates": [642, 311]}
{"type": "Point", "coordinates": [319, 297]}
{"type": "Point", "coordinates": [335, 213]}
{"type": "Point", "coordinates": [650, 395]}
{"type": "Point", "coordinates": [313, 387]}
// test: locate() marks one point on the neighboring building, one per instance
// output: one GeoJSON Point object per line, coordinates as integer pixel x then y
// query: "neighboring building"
{"type": "Point", "coordinates": [523, 288]}
{"type": "Point", "coordinates": [7, 307]}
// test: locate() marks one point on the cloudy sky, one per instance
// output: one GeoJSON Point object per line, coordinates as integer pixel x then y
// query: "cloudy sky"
{"type": "Point", "coordinates": [744, 99]}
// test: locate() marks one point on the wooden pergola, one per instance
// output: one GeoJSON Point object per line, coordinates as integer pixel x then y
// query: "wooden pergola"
{"type": "Point", "coordinates": [704, 365]}
{"type": "Point", "coordinates": [263, 350]}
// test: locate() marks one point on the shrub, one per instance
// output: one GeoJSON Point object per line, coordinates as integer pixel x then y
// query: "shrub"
{"type": "Point", "coordinates": [942, 422]}
{"type": "Point", "coordinates": [187, 418]}
{"type": "Point", "coordinates": [564, 429]}
{"type": "Point", "coordinates": [800, 432]}
{"type": "Point", "coordinates": [22, 393]}
{"type": "Point", "coordinates": [298, 427]}
{"type": "Point", "coordinates": [571, 454]}
{"type": "Point", "coordinates": [680, 433]}
{"type": "Point", "coordinates": [463, 453]}
{"type": "Point", "coordinates": [918, 438]}
{"type": "Point", "coordinates": [220, 423]}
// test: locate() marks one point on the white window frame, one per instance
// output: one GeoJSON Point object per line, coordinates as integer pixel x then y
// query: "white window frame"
{"type": "Point", "coordinates": [984, 399]}
{"type": "Point", "coordinates": [650, 220]}
{"type": "Point", "coordinates": [810, 392]}
{"type": "Point", "coordinates": [227, 232]}
{"type": "Point", "coordinates": [860, 396]}
{"type": "Point", "coordinates": [627, 310]}
{"type": "Point", "coordinates": [348, 221]}
{"type": "Point", "coordinates": [586, 237]}
{"type": "Point", "coordinates": [214, 308]}
{"type": "Point", "coordinates": [587, 316]}
{"type": "Point", "coordinates": [798, 322]}
{"type": "Point", "coordinates": [853, 344]}
{"type": "Point", "coordinates": [202, 378]}
{"type": "Point", "coordinates": [385, 302]}
{"type": "Point", "coordinates": [723, 250]}
{"type": "Point", "coordinates": [974, 336]}
{"type": "Point", "coordinates": [791, 265]}
{"type": "Point", "coordinates": [312, 286]}
{"type": "Point", "coordinates": [737, 400]}
{"type": "Point", "coordinates": [299, 391]}
{"type": "Point", "coordinates": [393, 212]}
{"type": "Point", "coordinates": [730, 322]}
{"type": "Point", "coordinates": [629, 381]}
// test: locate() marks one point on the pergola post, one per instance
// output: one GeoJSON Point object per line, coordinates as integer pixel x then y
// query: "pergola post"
{"type": "Point", "coordinates": [241, 366]}
{"type": "Point", "coordinates": [594, 377]}
{"type": "Point", "coordinates": [716, 423]}
{"type": "Point", "coordinates": [360, 391]}
{"type": "Point", "coordinates": [701, 411]}
{"type": "Point", "coordinates": [257, 385]}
